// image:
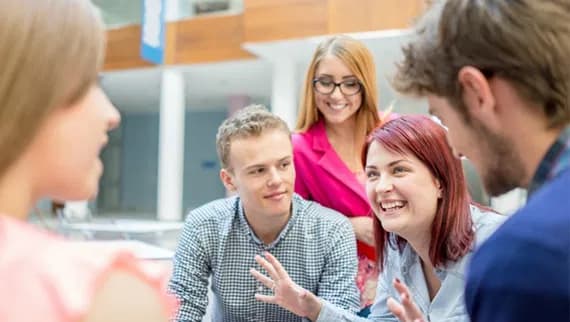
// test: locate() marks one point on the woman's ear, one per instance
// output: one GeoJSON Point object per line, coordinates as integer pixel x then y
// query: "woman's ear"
{"type": "Point", "coordinates": [439, 189]}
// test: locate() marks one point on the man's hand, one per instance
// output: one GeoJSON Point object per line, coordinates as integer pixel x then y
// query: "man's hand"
{"type": "Point", "coordinates": [287, 294]}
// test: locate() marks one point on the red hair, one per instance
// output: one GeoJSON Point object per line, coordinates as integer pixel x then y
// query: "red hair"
{"type": "Point", "coordinates": [451, 232]}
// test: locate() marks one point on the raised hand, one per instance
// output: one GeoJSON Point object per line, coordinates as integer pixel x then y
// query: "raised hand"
{"type": "Point", "coordinates": [286, 293]}
{"type": "Point", "coordinates": [407, 310]}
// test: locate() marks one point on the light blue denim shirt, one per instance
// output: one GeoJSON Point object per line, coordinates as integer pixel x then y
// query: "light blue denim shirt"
{"type": "Point", "coordinates": [447, 306]}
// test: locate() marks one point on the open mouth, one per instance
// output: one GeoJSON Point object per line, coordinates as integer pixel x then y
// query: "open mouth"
{"type": "Point", "coordinates": [388, 206]}
{"type": "Point", "coordinates": [337, 107]}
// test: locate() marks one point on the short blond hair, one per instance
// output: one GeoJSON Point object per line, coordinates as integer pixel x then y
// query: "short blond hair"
{"type": "Point", "coordinates": [359, 60]}
{"type": "Point", "coordinates": [251, 121]}
{"type": "Point", "coordinates": [50, 53]}
{"type": "Point", "coordinates": [526, 42]}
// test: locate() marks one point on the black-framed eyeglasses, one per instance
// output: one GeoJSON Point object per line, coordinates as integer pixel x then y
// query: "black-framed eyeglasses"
{"type": "Point", "coordinates": [327, 86]}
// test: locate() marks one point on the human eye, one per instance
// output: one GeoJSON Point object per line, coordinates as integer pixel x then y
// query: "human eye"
{"type": "Point", "coordinates": [326, 82]}
{"type": "Point", "coordinates": [399, 170]}
{"type": "Point", "coordinates": [285, 164]}
{"type": "Point", "coordinates": [353, 83]}
{"type": "Point", "coordinates": [371, 174]}
{"type": "Point", "coordinates": [257, 171]}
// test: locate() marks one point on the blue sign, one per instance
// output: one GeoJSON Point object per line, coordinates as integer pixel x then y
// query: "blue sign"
{"type": "Point", "coordinates": [152, 31]}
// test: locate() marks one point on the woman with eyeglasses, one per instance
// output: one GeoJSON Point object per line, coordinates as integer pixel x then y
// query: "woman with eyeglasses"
{"type": "Point", "coordinates": [337, 111]}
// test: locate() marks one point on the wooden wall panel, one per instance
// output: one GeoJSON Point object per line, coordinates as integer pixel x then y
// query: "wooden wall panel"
{"type": "Point", "coordinates": [220, 37]}
{"type": "Point", "coordinates": [123, 49]}
{"type": "Point", "coordinates": [266, 20]}
{"type": "Point", "coordinates": [395, 14]}
{"type": "Point", "coordinates": [209, 39]}
{"type": "Point", "coordinates": [367, 15]}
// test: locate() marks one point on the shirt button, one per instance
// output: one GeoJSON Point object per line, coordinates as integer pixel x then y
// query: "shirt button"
{"type": "Point", "coordinates": [260, 288]}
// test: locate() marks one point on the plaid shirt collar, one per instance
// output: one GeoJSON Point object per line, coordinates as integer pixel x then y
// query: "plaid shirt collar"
{"type": "Point", "coordinates": [556, 160]}
{"type": "Point", "coordinates": [248, 231]}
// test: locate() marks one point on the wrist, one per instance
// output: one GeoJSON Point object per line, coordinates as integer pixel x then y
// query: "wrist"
{"type": "Point", "coordinates": [314, 308]}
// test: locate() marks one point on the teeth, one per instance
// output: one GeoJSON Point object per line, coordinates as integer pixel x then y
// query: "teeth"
{"type": "Point", "coordinates": [338, 106]}
{"type": "Point", "coordinates": [392, 204]}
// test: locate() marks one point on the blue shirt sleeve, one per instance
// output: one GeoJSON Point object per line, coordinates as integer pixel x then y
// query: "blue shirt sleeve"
{"type": "Point", "coordinates": [515, 279]}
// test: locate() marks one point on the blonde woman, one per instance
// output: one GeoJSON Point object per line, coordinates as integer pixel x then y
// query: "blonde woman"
{"type": "Point", "coordinates": [54, 120]}
{"type": "Point", "coordinates": [338, 110]}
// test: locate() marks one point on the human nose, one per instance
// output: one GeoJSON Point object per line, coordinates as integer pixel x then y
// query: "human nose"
{"type": "Point", "coordinates": [337, 93]}
{"type": "Point", "coordinates": [274, 177]}
{"type": "Point", "coordinates": [111, 114]}
{"type": "Point", "coordinates": [384, 184]}
{"type": "Point", "coordinates": [114, 118]}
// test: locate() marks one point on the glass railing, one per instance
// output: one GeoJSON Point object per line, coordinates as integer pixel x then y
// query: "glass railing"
{"type": "Point", "coordinates": [120, 13]}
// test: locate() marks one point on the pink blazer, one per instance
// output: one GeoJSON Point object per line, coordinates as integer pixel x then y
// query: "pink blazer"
{"type": "Point", "coordinates": [323, 177]}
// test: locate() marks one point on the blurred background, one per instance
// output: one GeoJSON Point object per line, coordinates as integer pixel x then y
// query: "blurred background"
{"type": "Point", "coordinates": [176, 69]}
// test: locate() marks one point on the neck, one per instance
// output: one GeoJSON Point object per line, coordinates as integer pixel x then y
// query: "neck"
{"type": "Point", "coordinates": [531, 146]}
{"type": "Point", "coordinates": [342, 131]}
{"type": "Point", "coordinates": [347, 139]}
{"type": "Point", "coordinates": [16, 193]}
{"type": "Point", "coordinates": [421, 247]}
{"type": "Point", "coordinates": [266, 228]}
{"type": "Point", "coordinates": [420, 244]}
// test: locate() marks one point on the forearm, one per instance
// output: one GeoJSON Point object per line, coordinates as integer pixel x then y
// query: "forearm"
{"type": "Point", "coordinates": [330, 312]}
{"type": "Point", "coordinates": [193, 302]}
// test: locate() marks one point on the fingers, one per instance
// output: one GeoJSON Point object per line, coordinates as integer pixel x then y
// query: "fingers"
{"type": "Point", "coordinates": [410, 307]}
{"type": "Point", "coordinates": [266, 298]}
{"type": "Point", "coordinates": [401, 287]}
{"type": "Point", "coordinates": [267, 266]}
{"type": "Point", "coordinates": [397, 309]}
{"type": "Point", "coordinates": [262, 278]}
{"type": "Point", "coordinates": [281, 273]}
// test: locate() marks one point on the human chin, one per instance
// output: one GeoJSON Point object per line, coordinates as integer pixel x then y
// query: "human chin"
{"type": "Point", "coordinates": [392, 225]}
{"type": "Point", "coordinates": [497, 181]}
{"type": "Point", "coordinates": [84, 190]}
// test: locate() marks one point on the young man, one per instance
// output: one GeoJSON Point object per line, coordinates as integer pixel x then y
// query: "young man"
{"type": "Point", "coordinates": [221, 239]}
{"type": "Point", "coordinates": [497, 74]}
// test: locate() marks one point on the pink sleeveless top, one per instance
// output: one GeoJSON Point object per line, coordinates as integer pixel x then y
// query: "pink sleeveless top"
{"type": "Point", "coordinates": [44, 278]}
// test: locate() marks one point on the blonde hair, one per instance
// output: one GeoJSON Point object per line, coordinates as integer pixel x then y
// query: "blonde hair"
{"type": "Point", "coordinates": [251, 121]}
{"type": "Point", "coordinates": [526, 42]}
{"type": "Point", "coordinates": [359, 60]}
{"type": "Point", "coordinates": [50, 52]}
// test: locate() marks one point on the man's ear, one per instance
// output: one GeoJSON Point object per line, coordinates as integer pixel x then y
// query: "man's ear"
{"type": "Point", "coordinates": [227, 179]}
{"type": "Point", "coordinates": [478, 96]}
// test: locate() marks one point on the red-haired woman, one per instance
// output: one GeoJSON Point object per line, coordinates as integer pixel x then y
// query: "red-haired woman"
{"type": "Point", "coordinates": [426, 228]}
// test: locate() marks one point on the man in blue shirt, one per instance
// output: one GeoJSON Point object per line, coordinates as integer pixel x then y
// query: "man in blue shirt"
{"type": "Point", "coordinates": [497, 74]}
{"type": "Point", "coordinates": [221, 239]}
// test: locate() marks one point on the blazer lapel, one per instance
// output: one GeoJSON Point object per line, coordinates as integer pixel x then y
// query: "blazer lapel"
{"type": "Point", "coordinates": [331, 162]}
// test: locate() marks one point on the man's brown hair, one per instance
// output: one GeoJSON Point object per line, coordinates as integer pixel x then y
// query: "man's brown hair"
{"type": "Point", "coordinates": [526, 42]}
